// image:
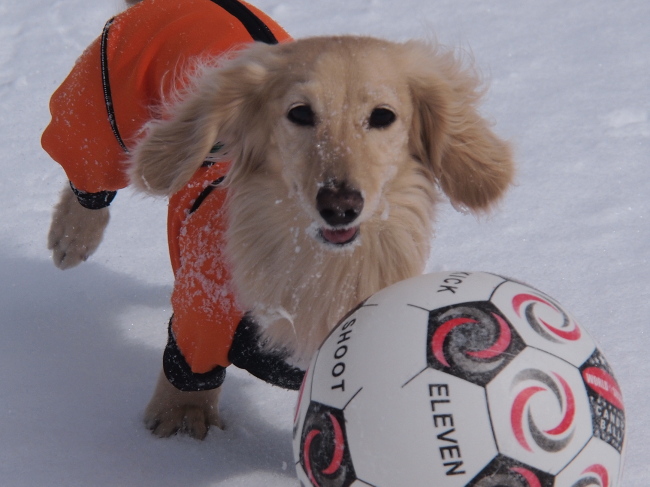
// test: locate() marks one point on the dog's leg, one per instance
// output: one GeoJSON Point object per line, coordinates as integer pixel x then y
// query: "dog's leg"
{"type": "Point", "coordinates": [75, 231]}
{"type": "Point", "coordinates": [171, 411]}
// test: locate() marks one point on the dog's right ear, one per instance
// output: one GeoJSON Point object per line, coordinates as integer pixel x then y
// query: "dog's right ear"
{"type": "Point", "coordinates": [174, 148]}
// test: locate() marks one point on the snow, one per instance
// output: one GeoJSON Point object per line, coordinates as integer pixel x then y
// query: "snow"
{"type": "Point", "coordinates": [81, 349]}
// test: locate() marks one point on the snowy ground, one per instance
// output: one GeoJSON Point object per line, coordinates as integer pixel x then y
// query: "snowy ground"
{"type": "Point", "coordinates": [80, 349]}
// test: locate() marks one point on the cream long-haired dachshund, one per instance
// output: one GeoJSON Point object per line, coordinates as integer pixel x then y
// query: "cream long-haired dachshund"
{"type": "Point", "coordinates": [303, 177]}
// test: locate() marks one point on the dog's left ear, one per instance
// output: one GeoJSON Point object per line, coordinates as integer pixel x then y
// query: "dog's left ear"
{"type": "Point", "coordinates": [222, 107]}
{"type": "Point", "coordinates": [471, 164]}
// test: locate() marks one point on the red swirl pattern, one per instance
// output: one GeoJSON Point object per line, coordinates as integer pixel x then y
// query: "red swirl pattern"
{"type": "Point", "coordinates": [521, 417]}
{"type": "Point", "coordinates": [525, 303]}
{"type": "Point", "coordinates": [529, 476]}
{"type": "Point", "coordinates": [501, 339]}
{"type": "Point", "coordinates": [595, 474]}
{"type": "Point", "coordinates": [338, 450]}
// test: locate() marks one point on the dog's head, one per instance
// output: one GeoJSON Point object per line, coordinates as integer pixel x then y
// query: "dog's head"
{"type": "Point", "coordinates": [337, 119]}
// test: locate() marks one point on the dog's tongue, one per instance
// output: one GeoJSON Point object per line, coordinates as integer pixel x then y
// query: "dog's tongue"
{"type": "Point", "coordinates": [339, 236]}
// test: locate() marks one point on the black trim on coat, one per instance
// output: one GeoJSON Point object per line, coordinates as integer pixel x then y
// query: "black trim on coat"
{"type": "Point", "coordinates": [108, 97]}
{"type": "Point", "coordinates": [257, 29]}
{"type": "Point", "coordinates": [205, 193]}
{"type": "Point", "coordinates": [179, 373]}
{"type": "Point", "coordinates": [246, 352]}
{"type": "Point", "coordinates": [93, 201]}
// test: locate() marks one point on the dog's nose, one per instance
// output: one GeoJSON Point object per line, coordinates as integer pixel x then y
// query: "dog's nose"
{"type": "Point", "coordinates": [339, 204]}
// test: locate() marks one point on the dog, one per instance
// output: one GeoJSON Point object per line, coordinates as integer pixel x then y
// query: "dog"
{"type": "Point", "coordinates": [303, 176]}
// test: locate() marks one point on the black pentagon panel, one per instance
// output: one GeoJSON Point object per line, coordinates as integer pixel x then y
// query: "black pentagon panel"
{"type": "Point", "coordinates": [472, 341]}
{"type": "Point", "coordinates": [605, 400]}
{"type": "Point", "coordinates": [324, 451]}
{"type": "Point", "coordinates": [506, 472]}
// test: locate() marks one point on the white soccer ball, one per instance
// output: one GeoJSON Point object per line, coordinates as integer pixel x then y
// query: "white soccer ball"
{"type": "Point", "coordinates": [459, 379]}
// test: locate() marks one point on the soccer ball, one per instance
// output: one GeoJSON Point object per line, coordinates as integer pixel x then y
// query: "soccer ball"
{"type": "Point", "coordinates": [459, 379]}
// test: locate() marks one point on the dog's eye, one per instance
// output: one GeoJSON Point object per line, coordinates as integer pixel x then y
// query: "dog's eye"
{"type": "Point", "coordinates": [381, 118]}
{"type": "Point", "coordinates": [302, 115]}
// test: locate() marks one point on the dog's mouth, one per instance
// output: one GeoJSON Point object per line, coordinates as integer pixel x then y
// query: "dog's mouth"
{"type": "Point", "coordinates": [339, 237]}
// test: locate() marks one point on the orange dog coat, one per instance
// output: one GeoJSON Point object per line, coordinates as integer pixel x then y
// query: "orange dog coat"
{"type": "Point", "coordinates": [98, 112]}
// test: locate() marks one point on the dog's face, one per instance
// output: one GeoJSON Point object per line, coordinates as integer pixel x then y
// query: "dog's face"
{"type": "Point", "coordinates": [336, 119]}
{"type": "Point", "coordinates": [340, 134]}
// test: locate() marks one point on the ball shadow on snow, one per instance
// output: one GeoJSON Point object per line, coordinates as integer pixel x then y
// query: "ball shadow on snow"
{"type": "Point", "coordinates": [74, 387]}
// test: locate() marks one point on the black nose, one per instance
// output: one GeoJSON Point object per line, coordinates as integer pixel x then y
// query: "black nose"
{"type": "Point", "coordinates": [338, 204]}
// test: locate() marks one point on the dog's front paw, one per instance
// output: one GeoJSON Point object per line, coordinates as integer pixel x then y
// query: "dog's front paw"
{"type": "Point", "coordinates": [171, 411]}
{"type": "Point", "coordinates": [75, 231]}
{"type": "Point", "coordinates": [194, 421]}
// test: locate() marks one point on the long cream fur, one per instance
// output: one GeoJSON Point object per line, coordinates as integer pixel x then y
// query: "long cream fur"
{"type": "Point", "coordinates": [296, 286]}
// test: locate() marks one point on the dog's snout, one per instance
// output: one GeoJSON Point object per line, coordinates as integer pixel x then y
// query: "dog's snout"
{"type": "Point", "coordinates": [339, 204]}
